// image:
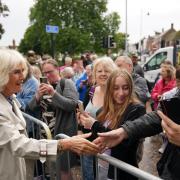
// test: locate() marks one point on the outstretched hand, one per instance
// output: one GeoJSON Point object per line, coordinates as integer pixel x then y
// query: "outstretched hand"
{"type": "Point", "coordinates": [80, 145]}
{"type": "Point", "coordinates": [110, 139]}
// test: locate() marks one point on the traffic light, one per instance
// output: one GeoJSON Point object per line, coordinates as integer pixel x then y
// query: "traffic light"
{"type": "Point", "coordinates": [108, 42]}
{"type": "Point", "coordinates": [105, 42]}
{"type": "Point", "coordinates": [111, 43]}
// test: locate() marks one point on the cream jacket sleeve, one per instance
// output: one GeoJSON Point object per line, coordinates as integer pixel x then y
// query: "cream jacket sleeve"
{"type": "Point", "coordinates": [21, 146]}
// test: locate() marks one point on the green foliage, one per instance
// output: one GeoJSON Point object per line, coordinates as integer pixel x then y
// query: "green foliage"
{"type": "Point", "coordinates": [4, 13]}
{"type": "Point", "coordinates": [82, 25]}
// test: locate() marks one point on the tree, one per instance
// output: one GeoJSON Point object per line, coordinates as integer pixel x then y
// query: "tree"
{"type": "Point", "coordinates": [82, 25]}
{"type": "Point", "coordinates": [4, 13]}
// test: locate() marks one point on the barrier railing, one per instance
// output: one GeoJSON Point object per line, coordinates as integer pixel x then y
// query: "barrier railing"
{"type": "Point", "coordinates": [40, 170]}
{"type": "Point", "coordinates": [40, 123]}
{"type": "Point", "coordinates": [119, 164]}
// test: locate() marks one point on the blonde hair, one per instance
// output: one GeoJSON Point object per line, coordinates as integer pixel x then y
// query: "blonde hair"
{"type": "Point", "coordinates": [36, 72]}
{"type": "Point", "coordinates": [170, 69]}
{"type": "Point", "coordinates": [106, 62]}
{"type": "Point", "coordinates": [111, 111]}
{"type": "Point", "coordinates": [9, 59]}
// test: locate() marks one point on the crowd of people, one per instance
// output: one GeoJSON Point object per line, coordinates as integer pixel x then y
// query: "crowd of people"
{"type": "Point", "coordinates": [119, 112]}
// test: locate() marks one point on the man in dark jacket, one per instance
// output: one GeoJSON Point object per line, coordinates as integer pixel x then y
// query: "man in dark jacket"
{"type": "Point", "coordinates": [145, 126]}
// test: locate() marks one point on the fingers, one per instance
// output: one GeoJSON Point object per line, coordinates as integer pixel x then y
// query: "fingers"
{"type": "Point", "coordinates": [106, 134]}
{"type": "Point", "coordinates": [92, 148]}
{"type": "Point", "coordinates": [78, 117]}
{"type": "Point", "coordinates": [84, 135]}
{"type": "Point", "coordinates": [86, 147]}
{"type": "Point", "coordinates": [168, 126]}
{"type": "Point", "coordinates": [166, 120]}
{"type": "Point", "coordinates": [100, 143]}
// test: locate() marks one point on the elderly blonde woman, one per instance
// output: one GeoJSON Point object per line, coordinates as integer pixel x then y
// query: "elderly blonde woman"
{"type": "Point", "coordinates": [102, 69]}
{"type": "Point", "coordinates": [15, 146]}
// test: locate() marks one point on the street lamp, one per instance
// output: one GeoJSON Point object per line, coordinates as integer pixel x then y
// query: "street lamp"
{"type": "Point", "coordinates": [141, 30]}
{"type": "Point", "coordinates": [126, 41]}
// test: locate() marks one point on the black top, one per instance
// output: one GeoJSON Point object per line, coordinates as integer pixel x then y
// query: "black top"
{"type": "Point", "coordinates": [126, 151]}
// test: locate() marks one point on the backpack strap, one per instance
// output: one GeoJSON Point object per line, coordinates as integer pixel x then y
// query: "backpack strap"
{"type": "Point", "coordinates": [62, 84]}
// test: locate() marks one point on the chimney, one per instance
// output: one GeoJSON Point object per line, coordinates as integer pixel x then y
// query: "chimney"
{"type": "Point", "coordinates": [162, 29]}
{"type": "Point", "coordinates": [172, 26]}
{"type": "Point", "coordinates": [14, 44]}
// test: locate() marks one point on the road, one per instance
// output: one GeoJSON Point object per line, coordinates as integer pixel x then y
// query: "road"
{"type": "Point", "coordinates": [151, 154]}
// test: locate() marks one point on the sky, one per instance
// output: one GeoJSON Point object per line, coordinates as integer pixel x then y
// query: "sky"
{"type": "Point", "coordinates": [144, 17]}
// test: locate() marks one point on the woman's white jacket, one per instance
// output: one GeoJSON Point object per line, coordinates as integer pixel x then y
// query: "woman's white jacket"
{"type": "Point", "coordinates": [15, 147]}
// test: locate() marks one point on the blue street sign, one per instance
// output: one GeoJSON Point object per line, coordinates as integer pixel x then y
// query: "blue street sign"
{"type": "Point", "coordinates": [52, 29]}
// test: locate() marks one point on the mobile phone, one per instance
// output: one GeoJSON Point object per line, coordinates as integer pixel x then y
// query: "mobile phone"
{"type": "Point", "coordinates": [84, 82]}
{"type": "Point", "coordinates": [170, 108]}
{"type": "Point", "coordinates": [43, 80]}
{"type": "Point", "coordinates": [80, 106]}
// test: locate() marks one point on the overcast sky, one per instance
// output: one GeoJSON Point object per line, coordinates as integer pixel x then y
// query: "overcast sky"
{"type": "Point", "coordinates": [161, 14]}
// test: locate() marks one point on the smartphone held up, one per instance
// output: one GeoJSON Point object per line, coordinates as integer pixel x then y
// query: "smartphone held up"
{"type": "Point", "coordinates": [43, 80]}
{"type": "Point", "coordinates": [80, 106]}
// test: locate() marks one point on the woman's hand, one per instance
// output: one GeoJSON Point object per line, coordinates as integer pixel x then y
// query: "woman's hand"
{"type": "Point", "coordinates": [79, 145]}
{"type": "Point", "coordinates": [86, 120]}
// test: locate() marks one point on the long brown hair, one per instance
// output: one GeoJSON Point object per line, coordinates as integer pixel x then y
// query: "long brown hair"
{"type": "Point", "coordinates": [111, 111]}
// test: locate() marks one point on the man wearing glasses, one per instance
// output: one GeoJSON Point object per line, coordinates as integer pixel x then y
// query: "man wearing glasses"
{"type": "Point", "coordinates": [57, 104]}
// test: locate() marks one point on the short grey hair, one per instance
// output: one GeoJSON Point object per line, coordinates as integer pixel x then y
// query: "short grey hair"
{"type": "Point", "coordinates": [68, 72]}
{"type": "Point", "coordinates": [125, 59]}
{"type": "Point", "coordinates": [9, 60]}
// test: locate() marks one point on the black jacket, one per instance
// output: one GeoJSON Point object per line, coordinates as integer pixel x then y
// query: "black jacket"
{"type": "Point", "coordinates": [125, 151]}
{"type": "Point", "coordinates": [148, 125]}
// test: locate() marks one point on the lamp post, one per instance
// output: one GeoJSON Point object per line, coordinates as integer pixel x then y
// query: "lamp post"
{"type": "Point", "coordinates": [126, 41]}
{"type": "Point", "coordinates": [141, 30]}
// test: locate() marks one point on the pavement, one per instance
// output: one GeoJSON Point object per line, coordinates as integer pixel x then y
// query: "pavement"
{"type": "Point", "coordinates": [151, 155]}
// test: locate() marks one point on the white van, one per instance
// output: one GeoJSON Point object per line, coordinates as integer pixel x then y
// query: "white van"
{"type": "Point", "coordinates": [152, 66]}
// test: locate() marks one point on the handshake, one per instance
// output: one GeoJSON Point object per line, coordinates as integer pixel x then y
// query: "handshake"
{"type": "Point", "coordinates": [79, 144]}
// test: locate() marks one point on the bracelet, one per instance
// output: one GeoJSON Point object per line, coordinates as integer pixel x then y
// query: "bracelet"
{"type": "Point", "coordinates": [60, 147]}
{"type": "Point", "coordinates": [43, 151]}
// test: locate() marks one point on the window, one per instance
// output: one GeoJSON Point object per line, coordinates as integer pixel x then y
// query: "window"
{"type": "Point", "coordinates": [156, 61]}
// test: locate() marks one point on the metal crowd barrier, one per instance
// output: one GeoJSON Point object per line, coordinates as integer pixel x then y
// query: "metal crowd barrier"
{"type": "Point", "coordinates": [40, 169]}
{"type": "Point", "coordinates": [40, 123]}
{"type": "Point", "coordinates": [118, 164]}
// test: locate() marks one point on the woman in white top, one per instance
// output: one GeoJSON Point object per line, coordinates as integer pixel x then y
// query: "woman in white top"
{"type": "Point", "coordinates": [15, 146]}
{"type": "Point", "coordinates": [102, 69]}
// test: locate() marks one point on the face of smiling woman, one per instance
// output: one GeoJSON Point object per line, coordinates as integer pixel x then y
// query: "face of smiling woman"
{"type": "Point", "coordinates": [15, 82]}
{"type": "Point", "coordinates": [121, 90]}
